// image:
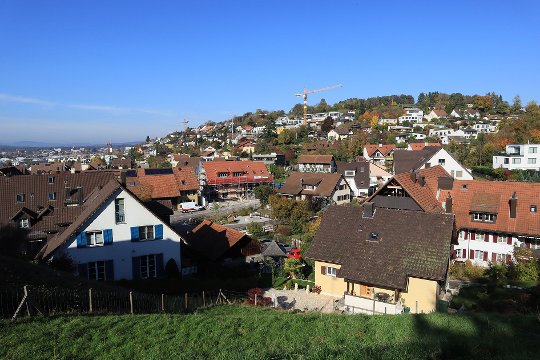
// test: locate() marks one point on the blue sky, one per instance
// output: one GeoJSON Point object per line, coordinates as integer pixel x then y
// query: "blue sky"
{"type": "Point", "coordinates": [94, 71]}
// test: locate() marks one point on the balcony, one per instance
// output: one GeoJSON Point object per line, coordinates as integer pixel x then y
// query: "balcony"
{"type": "Point", "coordinates": [376, 306]}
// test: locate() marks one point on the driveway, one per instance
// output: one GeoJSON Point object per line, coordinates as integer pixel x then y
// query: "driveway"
{"type": "Point", "coordinates": [224, 207]}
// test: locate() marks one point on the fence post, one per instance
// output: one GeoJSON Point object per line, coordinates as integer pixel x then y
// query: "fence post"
{"type": "Point", "coordinates": [373, 304]}
{"type": "Point", "coordinates": [203, 299]}
{"type": "Point", "coordinates": [185, 301]}
{"type": "Point", "coordinates": [131, 301]}
{"type": "Point", "coordinates": [162, 302]}
{"type": "Point", "coordinates": [417, 306]}
{"type": "Point", "coordinates": [90, 305]}
{"type": "Point", "coordinates": [26, 302]}
{"type": "Point", "coordinates": [255, 299]}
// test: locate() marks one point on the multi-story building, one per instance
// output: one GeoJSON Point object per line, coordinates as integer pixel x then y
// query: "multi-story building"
{"type": "Point", "coordinates": [316, 163]}
{"type": "Point", "coordinates": [519, 157]}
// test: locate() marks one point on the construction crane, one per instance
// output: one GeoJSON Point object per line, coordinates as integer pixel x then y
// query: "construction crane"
{"type": "Point", "coordinates": [185, 123]}
{"type": "Point", "coordinates": [305, 94]}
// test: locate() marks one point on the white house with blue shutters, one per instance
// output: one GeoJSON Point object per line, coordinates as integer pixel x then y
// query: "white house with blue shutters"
{"type": "Point", "coordinates": [117, 237]}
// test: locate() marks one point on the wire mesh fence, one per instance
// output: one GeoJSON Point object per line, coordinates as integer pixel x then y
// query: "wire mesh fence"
{"type": "Point", "coordinates": [29, 300]}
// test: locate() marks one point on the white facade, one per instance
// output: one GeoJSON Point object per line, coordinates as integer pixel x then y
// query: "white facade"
{"type": "Point", "coordinates": [123, 252]}
{"type": "Point", "coordinates": [485, 247]}
{"type": "Point", "coordinates": [519, 157]}
{"type": "Point", "coordinates": [451, 165]}
{"type": "Point", "coordinates": [387, 122]}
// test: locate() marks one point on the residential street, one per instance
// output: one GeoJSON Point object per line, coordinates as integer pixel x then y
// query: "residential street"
{"type": "Point", "coordinates": [225, 207]}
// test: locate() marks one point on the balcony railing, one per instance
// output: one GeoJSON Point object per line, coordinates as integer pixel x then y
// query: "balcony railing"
{"type": "Point", "coordinates": [240, 180]}
{"type": "Point", "coordinates": [364, 305]}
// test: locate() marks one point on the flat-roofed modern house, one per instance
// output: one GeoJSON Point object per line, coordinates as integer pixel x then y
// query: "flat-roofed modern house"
{"type": "Point", "coordinates": [519, 157]}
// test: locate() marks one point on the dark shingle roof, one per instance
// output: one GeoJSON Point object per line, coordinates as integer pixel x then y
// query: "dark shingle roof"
{"type": "Point", "coordinates": [325, 183]}
{"type": "Point", "coordinates": [409, 243]}
{"type": "Point", "coordinates": [406, 160]}
{"type": "Point", "coordinates": [361, 168]}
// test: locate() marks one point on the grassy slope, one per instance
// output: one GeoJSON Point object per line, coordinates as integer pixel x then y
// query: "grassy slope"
{"type": "Point", "coordinates": [234, 332]}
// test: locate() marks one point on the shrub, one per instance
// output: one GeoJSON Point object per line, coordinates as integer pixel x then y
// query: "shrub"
{"type": "Point", "coordinates": [171, 270]}
{"type": "Point", "coordinates": [261, 300]}
{"type": "Point", "coordinates": [292, 266]}
{"type": "Point", "coordinates": [255, 229]}
{"type": "Point", "coordinates": [466, 271]}
{"type": "Point", "coordinates": [62, 263]}
{"type": "Point", "coordinates": [316, 289]}
{"type": "Point", "coordinates": [497, 274]}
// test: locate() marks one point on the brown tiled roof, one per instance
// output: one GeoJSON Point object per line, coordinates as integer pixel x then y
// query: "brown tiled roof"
{"type": "Point", "coordinates": [251, 170]}
{"type": "Point", "coordinates": [315, 159]}
{"type": "Point", "coordinates": [384, 149]}
{"type": "Point", "coordinates": [440, 112]}
{"type": "Point", "coordinates": [406, 160]}
{"type": "Point", "coordinates": [325, 182]}
{"type": "Point", "coordinates": [424, 196]}
{"type": "Point", "coordinates": [167, 185]}
{"type": "Point", "coordinates": [409, 243]}
{"type": "Point", "coordinates": [47, 168]}
{"type": "Point", "coordinates": [124, 163]}
{"type": "Point", "coordinates": [493, 197]}
{"type": "Point", "coordinates": [188, 161]}
{"type": "Point", "coordinates": [213, 240]}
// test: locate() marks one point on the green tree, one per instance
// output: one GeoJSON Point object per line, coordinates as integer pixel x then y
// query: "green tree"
{"type": "Point", "coordinates": [262, 193]}
{"type": "Point", "coordinates": [255, 229]}
{"type": "Point", "coordinates": [147, 139]}
{"type": "Point", "coordinates": [525, 267]}
{"type": "Point", "coordinates": [327, 124]}
{"type": "Point", "coordinates": [293, 267]}
{"type": "Point", "coordinates": [516, 105]}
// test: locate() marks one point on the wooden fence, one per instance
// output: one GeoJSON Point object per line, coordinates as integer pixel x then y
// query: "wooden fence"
{"type": "Point", "coordinates": [30, 301]}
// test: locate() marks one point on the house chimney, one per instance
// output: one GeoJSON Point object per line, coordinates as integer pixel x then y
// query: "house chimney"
{"type": "Point", "coordinates": [80, 193]}
{"type": "Point", "coordinates": [369, 209]}
{"type": "Point", "coordinates": [123, 178]}
{"type": "Point", "coordinates": [448, 206]}
{"type": "Point", "coordinates": [422, 180]}
{"type": "Point", "coordinates": [413, 175]}
{"type": "Point", "coordinates": [513, 205]}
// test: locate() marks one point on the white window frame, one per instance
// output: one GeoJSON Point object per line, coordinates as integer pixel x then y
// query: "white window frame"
{"type": "Point", "coordinates": [145, 230]}
{"type": "Point", "coordinates": [442, 162]}
{"type": "Point", "coordinates": [502, 239]}
{"type": "Point", "coordinates": [531, 161]}
{"type": "Point", "coordinates": [94, 238]}
{"type": "Point", "coordinates": [480, 236]}
{"type": "Point", "coordinates": [331, 271]}
{"type": "Point", "coordinates": [51, 196]}
{"type": "Point", "coordinates": [96, 270]}
{"type": "Point", "coordinates": [119, 210]}
{"type": "Point", "coordinates": [516, 161]}
{"type": "Point", "coordinates": [533, 150]}
{"type": "Point", "coordinates": [148, 266]}
{"type": "Point", "coordinates": [500, 258]}
{"type": "Point", "coordinates": [533, 208]}
{"type": "Point", "coordinates": [24, 223]}
{"type": "Point", "coordinates": [479, 255]}
{"type": "Point", "coordinates": [478, 217]}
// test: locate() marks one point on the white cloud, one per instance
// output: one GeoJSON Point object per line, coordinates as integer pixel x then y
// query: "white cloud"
{"type": "Point", "coordinates": [26, 100]}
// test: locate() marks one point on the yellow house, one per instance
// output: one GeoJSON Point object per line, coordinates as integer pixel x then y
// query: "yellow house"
{"type": "Point", "coordinates": [382, 261]}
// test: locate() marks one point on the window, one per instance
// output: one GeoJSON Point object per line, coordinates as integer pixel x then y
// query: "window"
{"type": "Point", "coordinates": [500, 257]}
{"type": "Point", "coordinates": [331, 271]}
{"type": "Point", "coordinates": [502, 239]}
{"type": "Point", "coordinates": [484, 217]}
{"type": "Point", "coordinates": [50, 179]}
{"type": "Point", "coordinates": [516, 161]}
{"type": "Point", "coordinates": [146, 232]}
{"type": "Point", "coordinates": [52, 195]}
{"type": "Point", "coordinates": [222, 174]}
{"type": "Point", "coordinates": [531, 161]}
{"type": "Point", "coordinates": [373, 236]}
{"type": "Point", "coordinates": [478, 255]}
{"type": "Point", "coordinates": [506, 160]}
{"type": "Point", "coordinates": [24, 223]}
{"type": "Point", "coordinates": [20, 197]}
{"type": "Point", "coordinates": [148, 266]}
{"type": "Point", "coordinates": [349, 172]}
{"type": "Point", "coordinates": [459, 173]}
{"type": "Point", "coordinates": [238, 173]}
{"type": "Point", "coordinates": [533, 208]}
{"type": "Point", "coordinates": [533, 150]}
{"type": "Point", "coordinates": [442, 162]}
{"type": "Point", "coordinates": [96, 270]}
{"type": "Point", "coordinates": [94, 238]}
{"type": "Point", "coordinates": [480, 236]}
{"type": "Point", "coordinates": [120, 217]}
{"type": "Point", "coordinates": [477, 217]}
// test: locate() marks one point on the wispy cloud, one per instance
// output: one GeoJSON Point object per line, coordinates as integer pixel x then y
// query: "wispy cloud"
{"type": "Point", "coordinates": [110, 109]}
{"type": "Point", "coordinates": [26, 100]}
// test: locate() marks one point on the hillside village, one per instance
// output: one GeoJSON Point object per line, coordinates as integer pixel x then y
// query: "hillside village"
{"type": "Point", "coordinates": [382, 211]}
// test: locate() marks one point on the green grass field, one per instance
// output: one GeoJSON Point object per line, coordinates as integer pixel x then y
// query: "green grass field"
{"type": "Point", "coordinates": [239, 332]}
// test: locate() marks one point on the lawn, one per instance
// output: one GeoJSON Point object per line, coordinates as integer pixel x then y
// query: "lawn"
{"type": "Point", "coordinates": [240, 332]}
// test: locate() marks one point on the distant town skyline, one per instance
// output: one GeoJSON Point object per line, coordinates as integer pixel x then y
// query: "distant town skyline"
{"type": "Point", "coordinates": [96, 71]}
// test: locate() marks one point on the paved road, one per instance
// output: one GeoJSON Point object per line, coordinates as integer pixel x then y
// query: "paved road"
{"type": "Point", "coordinates": [225, 207]}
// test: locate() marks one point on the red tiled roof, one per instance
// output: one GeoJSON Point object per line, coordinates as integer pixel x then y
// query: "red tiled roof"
{"type": "Point", "coordinates": [493, 197]}
{"type": "Point", "coordinates": [165, 185]}
{"type": "Point", "coordinates": [384, 149]}
{"type": "Point", "coordinates": [440, 112]}
{"type": "Point", "coordinates": [420, 146]}
{"type": "Point", "coordinates": [251, 170]}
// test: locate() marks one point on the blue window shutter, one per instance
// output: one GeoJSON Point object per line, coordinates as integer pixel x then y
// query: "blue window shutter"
{"type": "Point", "coordinates": [158, 232]}
{"type": "Point", "coordinates": [159, 265]}
{"type": "Point", "coordinates": [134, 233]}
{"type": "Point", "coordinates": [109, 270]}
{"type": "Point", "coordinates": [83, 270]}
{"type": "Point", "coordinates": [107, 236]}
{"type": "Point", "coordinates": [81, 240]}
{"type": "Point", "coordinates": [136, 267]}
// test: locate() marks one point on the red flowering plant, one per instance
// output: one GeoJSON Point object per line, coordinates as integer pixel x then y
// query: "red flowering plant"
{"type": "Point", "coordinates": [261, 300]}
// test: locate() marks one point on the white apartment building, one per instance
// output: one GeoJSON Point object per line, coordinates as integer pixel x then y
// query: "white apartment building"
{"type": "Point", "coordinates": [519, 157]}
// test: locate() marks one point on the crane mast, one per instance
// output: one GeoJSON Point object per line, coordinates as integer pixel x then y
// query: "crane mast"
{"type": "Point", "coordinates": [305, 96]}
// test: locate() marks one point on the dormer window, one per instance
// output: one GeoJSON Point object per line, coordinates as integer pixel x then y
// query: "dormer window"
{"type": "Point", "coordinates": [349, 172]}
{"type": "Point", "coordinates": [52, 195]}
{"type": "Point", "coordinates": [222, 174]}
{"type": "Point", "coordinates": [483, 217]}
{"type": "Point", "coordinates": [464, 187]}
{"type": "Point", "coordinates": [534, 208]}
{"type": "Point", "coordinates": [24, 223]}
{"type": "Point", "coordinates": [373, 236]}
{"type": "Point", "coordinates": [50, 179]}
{"type": "Point", "coordinates": [20, 197]}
